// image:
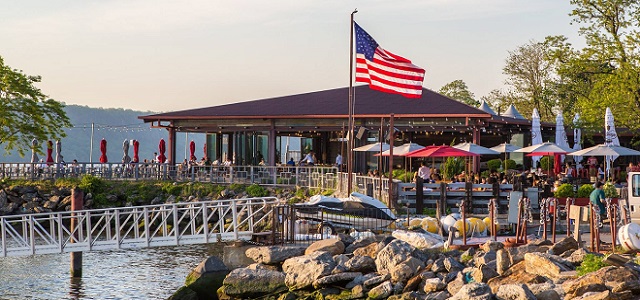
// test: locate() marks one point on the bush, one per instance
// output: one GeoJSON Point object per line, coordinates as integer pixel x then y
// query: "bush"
{"type": "Point", "coordinates": [591, 263]}
{"type": "Point", "coordinates": [403, 175]}
{"type": "Point", "coordinates": [511, 164]}
{"type": "Point", "coordinates": [585, 190]}
{"type": "Point", "coordinates": [546, 163]}
{"type": "Point", "coordinates": [494, 164]}
{"type": "Point", "coordinates": [91, 184]}
{"type": "Point", "coordinates": [452, 166]}
{"type": "Point", "coordinates": [255, 190]}
{"type": "Point", "coordinates": [565, 190]}
{"type": "Point", "coordinates": [610, 190]}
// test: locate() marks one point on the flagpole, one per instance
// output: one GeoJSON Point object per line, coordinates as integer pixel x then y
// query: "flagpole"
{"type": "Point", "coordinates": [351, 104]}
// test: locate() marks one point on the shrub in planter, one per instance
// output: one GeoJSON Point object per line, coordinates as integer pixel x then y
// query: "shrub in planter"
{"type": "Point", "coordinates": [565, 190]}
{"type": "Point", "coordinates": [610, 190]}
{"type": "Point", "coordinates": [510, 163]}
{"type": "Point", "coordinates": [546, 163]}
{"type": "Point", "coordinates": [494, 164]}
{"type": "Point", "coordinates": [585, 190]}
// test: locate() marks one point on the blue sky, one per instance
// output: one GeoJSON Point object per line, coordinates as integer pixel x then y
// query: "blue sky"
{"type": "Point", "coordinates": [165, 55]}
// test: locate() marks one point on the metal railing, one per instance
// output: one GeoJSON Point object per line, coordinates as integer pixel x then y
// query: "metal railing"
{"type": "Point", "coordinates": [135, 227]}
{"type": "Point", "coordinates": [307, 176]}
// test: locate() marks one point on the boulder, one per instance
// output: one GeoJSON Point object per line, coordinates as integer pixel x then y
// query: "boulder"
{"type": "Point", "coordinates": [357, 292]}
{"type": "Point", "coordinates": [438, 266]}
{"type": "Point", "coordinates": [271, 255]}
{"type": "Point", "coordinates": [410, 295]}
{"type": "Point", "coordinates": [335, 278]}
{"type": "Point", "coordinates": [247, 283]}
{"type": "Point", "coordinates": [433, 285]}
{"type": "Point", "coordinates": [631, 285]}
{"type": "Point", "coordinates": [381, 291]}
{"type": "Point", "coordinates": [419, 240]}
{"type": "Point", "coordinates": [567, 243]}
{"type": "Point", "coordinates": [473, 291]}
{"type": "Point", "coordinates": [546, 265]}
{"type": "Point", "coordinates": [517, 254]}
{"type": "Point", "coordinates": [441, 295]}
{"type": "Point", "coordinates": [256, 266]}
{"type": "Point", "coordinates": [340, 261]}
{"type": "Point", "coordinates": [206, 278]}
{"type": "Point", "coordinates": [514, 292]}
{"type": "Point", "coordinates": [406, 269]}
{"type": "Point", "coordinates": [503, 261]}
{"type": "Point", "coordinates": [370, 250]}
{"type": "Point", "coordinates": [483, 274]}
{"type": "Point", "coordinates": [360, 264]}
{"type": "Point", "coordinates": [333, 246]}
{"type": "Point", "coordinates": [359, 244]}
{"type": "Point", "coordinates": [484, 258]}
{"type": "Point", "coordinates": [455, 285]}
{"type": "Point", "coordinates": [360, 280]}
{"type": "Point", "coordinates": [452, 265]}
{"type": "Point", "coordinates": [302, 271]}
{"type": "Point", "coordinates": [598, 281]}
{"type": "Point", "coordinates": [514, 275]}
{"type": "Point", "coordinates": [376, 280]}
{"type": "Point", "coordinates": [491, 246]}
{"type": "Point", "coordinates": [577, 256]}
{"type": "Point", "coordinates": [3, 198]}
{"type": "Point", "coordinates": [393, 254]}
{"type": "Point", "coordinates": [185, 293]}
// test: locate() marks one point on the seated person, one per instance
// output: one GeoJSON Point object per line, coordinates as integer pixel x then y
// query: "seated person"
{"type": "Point", "coordinates": [291, 162]}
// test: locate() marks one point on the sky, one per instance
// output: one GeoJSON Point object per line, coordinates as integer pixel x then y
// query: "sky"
{"type": "Point", "coordinates": [167, 55]}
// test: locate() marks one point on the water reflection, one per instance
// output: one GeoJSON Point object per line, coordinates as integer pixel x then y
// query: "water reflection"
{"type": "Point", "coordinates": [151, 273]}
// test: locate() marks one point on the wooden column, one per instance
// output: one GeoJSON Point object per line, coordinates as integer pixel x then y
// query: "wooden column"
{"type": "Point", "coordinates": [77, 203]}
{"type": "Point", "coordinates": [171, 157]}
{"type": "Point", "coordinates": [272, 145]}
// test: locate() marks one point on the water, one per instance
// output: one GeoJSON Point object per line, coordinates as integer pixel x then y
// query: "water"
{"type": "Point", "coordinates": [149, 273]}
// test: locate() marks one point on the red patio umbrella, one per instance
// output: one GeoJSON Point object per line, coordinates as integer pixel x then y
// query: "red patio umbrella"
{"type": "Point", "coordinates": [162, 148]}
{"type": "Point", "coordinates": [136, 148]}
{"type": "Point", "coordinates": [440, 151]}
{"type": "Point", "coordinates": [192, 150]}
{"type": "Point", "coordinates": [49, 152]}
{"type": "Point", "coordinates": [103, 150]}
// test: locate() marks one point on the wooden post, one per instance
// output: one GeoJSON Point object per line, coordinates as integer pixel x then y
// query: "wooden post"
{"type": "Point", "coordinates": [464, 222]}
{"type": "Point", "coordinates": [77, 203]}
{"type": "Point", "coordinates": [492, 208]}
{"type": "Point", "coordinates": [555, 218]}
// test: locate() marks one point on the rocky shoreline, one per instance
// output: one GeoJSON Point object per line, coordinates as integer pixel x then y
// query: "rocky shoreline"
{"type": "Point", "coordinates": [386, 267]}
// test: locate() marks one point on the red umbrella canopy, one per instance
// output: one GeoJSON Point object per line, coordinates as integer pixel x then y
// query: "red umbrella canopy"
{"type": "Point", "coordinates": [103, 150]}
{"type": "Point", "coordinates": [192, 150]}
{"type": "Point", "coordinates": [136, 148]}
{"type": "Point", "coordinates": [162, 147]}
{"type": "Point", "coordinates": [440, 151]}
{"type": "Point", "coordinates": [49, 152]}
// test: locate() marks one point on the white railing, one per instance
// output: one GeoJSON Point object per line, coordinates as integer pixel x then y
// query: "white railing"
{"type": "Point", "coordinates": [306, 176]}
{"type": "Point", "coordinates": [135, 227]}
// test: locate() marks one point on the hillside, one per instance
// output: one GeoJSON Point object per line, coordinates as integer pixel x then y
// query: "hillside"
{"type": "Point", "coordinates": [114, 125]}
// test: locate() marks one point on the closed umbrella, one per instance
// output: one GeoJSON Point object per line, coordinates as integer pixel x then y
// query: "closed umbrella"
{"type": "Point", "coordinates": [162, 148]}
{"type": "Point", "coordinates": [103, 151]}
{"type": "Point", "coordinates": [58, 152]}
{"type": "Point", "coordinates": [610, 138]}
{"type": "Point", "coordinates": [49, 152]}
{"type": "Point", "coordinates": [536, 134]}
{"type": "Point", "coordinates": [34, 155]}
{"type": "Point", "coordinates": [561, 135]}
{"type": "Point", "coordinates": [577, 137]}
{"type": "Point", "coordinates": [192, 151]}
{"type": "Point", "coordinates": [125, 149]}
{"type": "Point", "coordinates": [136, 149]}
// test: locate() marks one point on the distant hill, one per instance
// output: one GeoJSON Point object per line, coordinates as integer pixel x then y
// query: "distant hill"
{"type": "Point", "coordinates": [115, 125]}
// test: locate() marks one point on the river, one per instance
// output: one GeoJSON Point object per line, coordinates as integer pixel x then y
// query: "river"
{"type": "Point", "coordinates": [149, 273]}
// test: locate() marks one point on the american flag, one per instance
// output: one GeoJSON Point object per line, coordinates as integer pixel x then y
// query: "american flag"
{"type": "Point", "coordinates": [385, 71]}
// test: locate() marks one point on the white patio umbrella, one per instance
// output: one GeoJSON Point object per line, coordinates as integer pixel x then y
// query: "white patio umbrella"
{"type": "Point", "coordinates": [505, 148]}
{"type": "Point", "coordinates": [475, 148]}
{"type": "Point", "coordinates": [375, 147]}
{"type": "Point", "coordinates": [561, 135]}
{"type": "Point", "coordinates": [577, 137]}
{"type": "Point", "coordinates": [606, 150]}
{"type": "Point", "coordinates": [536, 134]}
{"type": "Point", "coordinates": [610, 138]}
{"type": "Point", "coordinates": [125, 149]}
{"type": "Point", "coordinates": [403, 149]}
{"type": "Point", "coordinates": [547, 148]}
{"type": "Point", "coordinates": [34, 155]}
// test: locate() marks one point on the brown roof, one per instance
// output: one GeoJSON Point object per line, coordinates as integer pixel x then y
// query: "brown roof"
{"type": "Point", "coordinates": [332, 103]}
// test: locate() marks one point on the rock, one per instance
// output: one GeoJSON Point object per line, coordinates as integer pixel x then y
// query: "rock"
{"type": "Point", "coordinates": [442, 295]}
{"type": "Point", "coordinates": [359, 244]}
{"type": "Point", "coordinates": [333, 246]}
{"type": "Point", "coordinates": [604, 295]}
{"type": "Point", "coordinates": [433, 285]}
{"type": "Point", "coordinates": [346, 239]}
{"type": "Point", "coordinates": [247, 283]}
{"type": "Point", "coordinates": [455, 285]}
{"type": "Point", "coordinates": [206, 278]}
{"type": "Point", "coordinates": [357, 292]}
{"type": "Point", "coordinates": [360, 280]}
{"type": "Point", "coordinates": [361, 264]}
{"type": "Point", "coordinates": [302, 271]}
{"type": "Point", "coordinates": [515, 292]}
{"type": "Point", "coordinates": [452, 265]}
{"type": "Point", "coordinates": [381, 291]}
{"type": "Point", "coordinates": [598, 281]}
{"type": "Point", "coordinates": [567, 243]}
{"type": "Point", "coordinates": [419, 240]}
{"type": "Point", "coordinates": [259, 266]}
{"type": "Point", "coordinates": [514, 275]}
{"type": "Point", "coordinates": [632, 285]}
{"type": "Point", "coordinates": [546, 265]}
{"type": "Point", "coordinates": [411, 295]}
{"type": "Point", "coordinates": [336, 278]}
{"type": "Point", "coordinates": [272, 255]}
{"type": "Point", "coordinates": [413, 283]}
{"type": "Point", "coordinates": [517, 254]}
{"type": "Point", "coordinates": [491, 246]}
{"type": "Point", "coordinates": [483, 274]}
{"type": "Point", "coordinates": [376, 280]}
{"type": "Point", "coordinates": [503, 261]}
{"type": "Point", "coordinates": [450, 277]}
{"type": "Point", "coordinates": [438, 266]}
{"type": "Point", "coordinates": [577, 256]}
{"type": "Point", "coordinates": [406, 269]}
{"type": "Point", "coordinates": [185, 293]}
{"type": "Point", "coordinates": [340, 261]}
{"type": "Point", "coordinates": [397, 288]}
{"type": "Point", "coordinates": [473, 291]}
{"type": "Point", "coordinates": [370, 250]}
{"type": "Point", "coordinates": [393, 254]}
{"type": "Point", "coordinates": [3, 198]}
{"type": "Point", "coordinates": [484, 258]}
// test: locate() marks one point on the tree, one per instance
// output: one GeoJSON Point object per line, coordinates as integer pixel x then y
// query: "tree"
{"type": "Point", "coordinates": [458, 90]}
{"type": "Point", "coordinates": [27, 113]}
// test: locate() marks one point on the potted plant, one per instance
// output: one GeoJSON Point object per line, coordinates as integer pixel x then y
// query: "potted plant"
{"type": "Point", "coordinates": [565, 190]}
{"type": "Point", "coordinates": [610, 190]}
{"type": "Point", "coordinates": [584, 191]}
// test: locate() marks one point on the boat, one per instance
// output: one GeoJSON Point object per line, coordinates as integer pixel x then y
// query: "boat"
{"type": "Point", "coordinates": [358, 211]}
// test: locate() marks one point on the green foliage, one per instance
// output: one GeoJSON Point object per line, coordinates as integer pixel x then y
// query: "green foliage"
{"type": "Point", "coordinates": [494, 164]}
{"type": "Point", "coordinates": [458, 90]}
{"type": "Point", "coordinates": [255, 190]}
{"type": "Point", "coordinates": [26, 113]}
{"type": "Point", "coordinates": [92, 184]}
{"type": "Point", "coordinates": [67, 182]}
{"type": "Point", "coordinates": [485, 173]}
{"type": "Point", "coordinates": [591, 263]}
{"type": "Point", "coordinates": [328, 192]}
{"type": "Point", "coordinates": [452, 166]}
{"type": "Point", "coordinates": [510, 163]}
{"type": "Point", "coordinates": [546, 163]}
{"type": "Point", "coordinates": [610, 190]}
{"type": "Point", "coordinates": [563, 191]}
{"type": "Point", "coordinates": [402, 175]}
{"type": "Point", "coordinates": [172, 188]}
{"type": "Point", "coordinates": [237, 187]}
{"type": "Point", "coordinates": [585, 190]}
{"type": "Point", "coordinates": [465, 258]}
{"type": "Point", "coordinates": [429, 212]}
{"type": "Point", "coordinates": [302, 192]}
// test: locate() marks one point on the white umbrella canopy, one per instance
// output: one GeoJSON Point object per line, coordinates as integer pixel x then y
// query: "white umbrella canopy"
{"type": "Point", "coordinates": [475, 148]}
{"type": "Point", "coordinates": [375, 147]}
{"type": "Point", "coordinates": [58, 152]}
{"type": "Point", "coordinates": [577, 137]}
{"type": "Point", "coordinates": [606, 150]}
{"type": "Point", "coordinates": [536, 133]}
{"type": "Point", "coordinates": [125, 149]}
{"type": "Point", "coordinates": [561, 135]}
{"type": "Point", "coordinates": [505, 148]}
{"type": "Point", "coordinates": [610, 137]}
{"type": "Point", "coordinates": [547, 148]}
{"type": "Point", "coordinates": [403, 149]}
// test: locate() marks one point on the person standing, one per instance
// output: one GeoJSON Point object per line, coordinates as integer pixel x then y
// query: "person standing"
{"type": "Point", "coordinates": [310, 159]}
{"type": "Point", "coordinates": [339, 161]}
{"type": "Point", "coordinates": [597, 196]}
{"type": "Point", "coordinates": [424, 172]}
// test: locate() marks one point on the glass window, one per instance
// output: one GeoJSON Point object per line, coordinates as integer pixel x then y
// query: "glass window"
{"type": "Point", "coordinates": [635, 184]}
